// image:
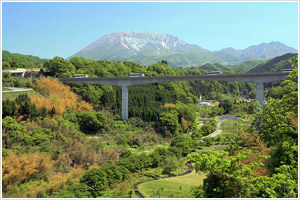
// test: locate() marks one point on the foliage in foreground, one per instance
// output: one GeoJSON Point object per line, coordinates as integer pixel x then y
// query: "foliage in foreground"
{"type": "Point", "coordinates": [228, 177]}
{"type": "Point", "coordinates": [231, 176]}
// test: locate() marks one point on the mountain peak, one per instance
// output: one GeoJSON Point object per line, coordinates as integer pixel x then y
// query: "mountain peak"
{"type": "Point", "coordinates": [135, 42]}
{"type": "Point", "coordinates": [261, 51]}
{"type": "Point", "coordinates": [149, 47]}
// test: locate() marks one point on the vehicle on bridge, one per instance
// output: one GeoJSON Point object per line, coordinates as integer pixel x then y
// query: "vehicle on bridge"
{"type": "Point", "coordinates": [80, 76]}
{"type": "Point", "coordinates": [213, 73]}
{"type": "Point", "coordinates": [136, 75]}
{"type": "Point", "coordinates": [287, 70]}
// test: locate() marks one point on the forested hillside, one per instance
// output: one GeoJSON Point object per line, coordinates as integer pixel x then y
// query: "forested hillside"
{"type": "Point", "coordinates": [213, 67]}
{"type": "Point", "coordinates": [246, 66]}
{"type": "Point", "coordinates": [275, 64]}
{"type": "Point", "coordinates": [67, 140]}
{"type": "Point", "coordinates": [15, 60]}
{"type": "Point", "coordinates": [146, 100]}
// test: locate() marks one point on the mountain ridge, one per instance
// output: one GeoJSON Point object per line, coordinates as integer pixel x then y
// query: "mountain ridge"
{"type": "Point", "coordinates": [149, 47]}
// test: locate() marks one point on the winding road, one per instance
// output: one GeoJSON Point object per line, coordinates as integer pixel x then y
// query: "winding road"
{"type": "Point", "coordinates": [189, 164]}
{"type": "Point", "coordinates": [217, 131]}
{"type": "Point", "coordinates": [223, 118]}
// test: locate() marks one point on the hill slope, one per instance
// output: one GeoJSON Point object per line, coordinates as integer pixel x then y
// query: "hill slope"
{"type": "Point", "coordinates": [16, 60]}
{"type": "Point", "coordinates": [275, 64]}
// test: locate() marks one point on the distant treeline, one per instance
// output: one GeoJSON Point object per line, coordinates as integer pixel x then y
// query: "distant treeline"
{"type": "Point", "coordinates": [15, 60]}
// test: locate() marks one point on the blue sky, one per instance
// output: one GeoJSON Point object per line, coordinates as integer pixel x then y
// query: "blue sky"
{"type": "Point", "coordinates": [51, 29]}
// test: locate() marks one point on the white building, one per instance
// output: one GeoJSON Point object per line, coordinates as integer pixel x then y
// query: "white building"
{"type": "Point", "coordinates": [203, 102]}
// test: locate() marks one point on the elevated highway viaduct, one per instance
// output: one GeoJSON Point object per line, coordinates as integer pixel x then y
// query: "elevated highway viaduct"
{"type": "Point", "coordinates": [125, 82]}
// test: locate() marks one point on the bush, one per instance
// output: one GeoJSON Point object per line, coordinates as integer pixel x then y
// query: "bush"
{"type": "Point", "coordinates": [95, 179]}
{"type": "Point", "coordinates": [208, 128]}
{"type": "Point", "coordinates": [170, 164]}
{"type": "Point", "coordinates": [17, 169]}
{"type": "Point", "coordinates": [92, 121]}
{"type": "Point", "coordinates": [159, 155]}
{"type": "Point", "coordinates": [80, 190]}
{"type": "Point", "coordinates": [183, 144]}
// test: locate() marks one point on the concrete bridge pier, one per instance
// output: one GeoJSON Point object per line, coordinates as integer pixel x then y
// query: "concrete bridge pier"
{"type": "Point", "coordinates": [260, 93]}
{"type": "Point", "coordinates": [125, 82]}
{"type": "Point", "coordinates": [124, 102]}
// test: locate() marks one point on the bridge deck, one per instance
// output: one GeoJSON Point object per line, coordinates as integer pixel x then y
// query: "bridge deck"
{"type": "Point", "coordinates": [258, 78]}
{"type": "Point", "coordinates": [127, 81]}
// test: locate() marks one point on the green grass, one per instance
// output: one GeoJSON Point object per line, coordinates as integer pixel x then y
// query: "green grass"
{"type": "Point", "coordinates": [164, 189]}
{"type": "Point", "coordinates": [159, 170]}
{"type": "Point", "coordinates": [193, 178]}
{"type": "Point", "coordinates": [13, 95]}
{"type": "Point", "coordinates": [6, 89]}
{"type": "Point", "coordinates": [212, 148]}
{"type": "Point", "coordinates": [237, 126]}
{"type": "Point", "coordinates": [174, 187]}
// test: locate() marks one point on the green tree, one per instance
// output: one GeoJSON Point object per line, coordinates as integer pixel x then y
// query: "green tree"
{"type": "Point", "coordinates": [59, 67]}
{"type": "Point", "coordinates": [13, 133]}
{"type": "Point", "coordinates": [208, 128]}
{"type": "Point", "coordinates": [92, 121]}
{"type": "Point", "coordinates": [42, 138]}
{"type": "Point", "coordinates": [228, 177]}
{"type": "Point", "coordinates": [5, 65]}
{"type": "Point", "coordinates": [95, 179]}
{"type": "Point", "coordinates": [43, 112]}
{"type": "Point", "coordinates": [170, 122]}
{"type": "Point", "coordinates": [226, 105]}
{"type": "Point", "coordinates": [52, 111]}
{"type": "Point", "coordinates": [183, 144]}
{"type": "Point", "coordinates": [8, 108]}
{"type": "Point", "coordinates": [79, 190]}
{"type": "Point", "coordinates": [171, 164]}
{"type": "Point", "coordinates": [278, 120]}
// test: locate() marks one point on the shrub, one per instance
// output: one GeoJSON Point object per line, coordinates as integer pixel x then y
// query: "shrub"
{"type": "Point", "coordinates": [95, 179]}
{"type": "Point", "coordinates": [92, 121]}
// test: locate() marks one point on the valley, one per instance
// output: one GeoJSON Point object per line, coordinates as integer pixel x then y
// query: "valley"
{"type": "Point", "coordinates": [68, 140]}
{"type": "Point", "coordinates": [149, 99]}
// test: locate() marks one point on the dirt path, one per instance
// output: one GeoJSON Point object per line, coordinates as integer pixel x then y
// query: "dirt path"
{"type": "Point", "coordinates": [218, 130]}
{"type": "Point", "coordinates": [223, 118]}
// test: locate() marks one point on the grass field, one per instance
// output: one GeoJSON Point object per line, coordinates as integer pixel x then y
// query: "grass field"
{"type": "Point", "coordinates": [6, 89]}
{"type": "Point", "coordinates": [164, 189]}
{"type": "Point", "coordinates": [231, 126]}
{"type": "Point", "coordinates": [175, 187]}
{"type": "Point", "coordinates": [13, 95]}
{"type": "Point", "coordinates": [193, 178]}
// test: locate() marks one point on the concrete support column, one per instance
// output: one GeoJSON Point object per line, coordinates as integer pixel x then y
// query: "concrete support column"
{"type": "Point", "coordinates": [260, 94]}
{"type": "Point", "coordinates": [124, 102]}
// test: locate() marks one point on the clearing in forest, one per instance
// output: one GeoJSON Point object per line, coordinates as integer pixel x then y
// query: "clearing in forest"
{"type": "Point", "coordinates": [179, 186]}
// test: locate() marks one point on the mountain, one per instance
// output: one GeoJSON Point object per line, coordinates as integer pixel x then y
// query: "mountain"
{"type": "Point", "coordinates": [275, 64]}
{"type": "Point", "coordinates": [261, 51]}
{"type": "Point", "coordinates": [147, 48]}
